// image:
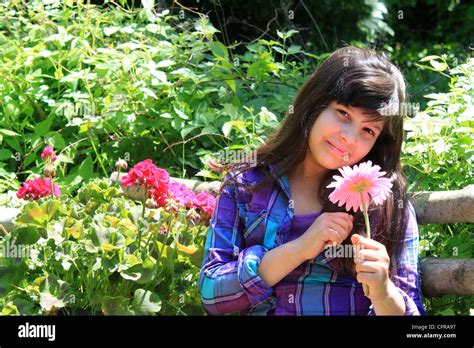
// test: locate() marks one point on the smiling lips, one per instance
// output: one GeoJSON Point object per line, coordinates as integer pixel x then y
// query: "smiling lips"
{"type": "Point", "coordinates": [338, 149]}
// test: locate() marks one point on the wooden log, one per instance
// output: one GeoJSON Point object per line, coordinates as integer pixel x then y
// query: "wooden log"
{"type": "Point", "coordinates": [6, 219]}
{"type": "Point", "coordinates": [440, 207]}
{"type": "Point", "coordinates": [447, 276]}
{"type": "Point", "coordinates": [443, 207]}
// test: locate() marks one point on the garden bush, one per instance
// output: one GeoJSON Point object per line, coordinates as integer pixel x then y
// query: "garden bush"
{"type": "Point", "coordinates": [102, 84]}
{"type": "Point", "coordinates": [438, 156]}
{"type": "Point", "coordinates": [99, 252]}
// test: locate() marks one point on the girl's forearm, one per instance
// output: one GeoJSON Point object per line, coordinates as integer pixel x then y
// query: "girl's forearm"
{"type": "Point", "coordinates": [278, 262]}
{"type": "Point", "coordinates": [392, 304]}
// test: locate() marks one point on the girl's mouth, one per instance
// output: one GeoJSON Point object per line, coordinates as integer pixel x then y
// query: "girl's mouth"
{"type": "Point", "coordinates": [341, 152]}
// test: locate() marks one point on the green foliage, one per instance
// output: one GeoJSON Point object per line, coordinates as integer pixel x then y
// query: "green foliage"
{"type": "Point", "coordinates": [98, 85]}
{"type": "Point", "coordinates": [439, 156]}
{"type": "Point", "coordinates": [96, 253]}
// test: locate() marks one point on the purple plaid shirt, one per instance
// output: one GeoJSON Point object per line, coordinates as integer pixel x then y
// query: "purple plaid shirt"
{"type": "Point", "coordinates": [245, 226]}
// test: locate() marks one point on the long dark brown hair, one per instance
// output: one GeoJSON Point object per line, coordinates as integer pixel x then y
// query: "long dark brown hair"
{"type": "Point", "coordinates": [353, 77]}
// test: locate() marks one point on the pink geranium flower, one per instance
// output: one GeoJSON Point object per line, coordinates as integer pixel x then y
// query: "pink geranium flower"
{"type": "Point", "coordinates": [181, 195]}
{"type": "Point", "coordinates": [37, 188]}
{"type": "Point", "coordinates": [206, 202]}
{"type": "Point", "coordinates": [154, 180]}
{"type": "Point", "coordinates": [359, 185]}
{"type": "Point", "coordinates": [48, 152]}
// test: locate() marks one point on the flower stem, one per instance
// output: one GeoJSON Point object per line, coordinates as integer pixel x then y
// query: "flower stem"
{"type": "Point", "coordinates": [367, 230]}
{"type": "Point", "coordinates": [366, 218]}
{"type": "Point", "coordinates": [118, 176]}
{"type": "Point", "coordinates": [140, 227]}
{"type": "Point", "coordinates": [51, 187]}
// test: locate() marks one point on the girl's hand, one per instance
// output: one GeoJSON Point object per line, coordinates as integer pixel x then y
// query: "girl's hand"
{"type": "Point", "coordinates": [327, 229]}
{"type": "Point", "coordinates": [372, 266]}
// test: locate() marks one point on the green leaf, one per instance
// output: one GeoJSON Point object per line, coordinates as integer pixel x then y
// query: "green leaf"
{"type": "Point", "coordinates": [209, 130]}
{"type": "Point", "coordinates": [9, 132]}
{"type": "Point", "coordinates": [134, 270]}
{"type": "Point", "coordinates": [280, 50]}
{"type": "Point", "coordinates": [197, 257]}
{"type": "Point", "coordinates": [57, 141]}
{"type": "Point", "coordinates": [164, 63]}
{"type": "Point", "coordinates": [149, 92]}
{"type": "Point", "coordinates": [10, 309]}
{"type": "Point", "coordinates": [286, 35]}
{"type": "Point", "coordinates": [116, 306]}
{"type": "Point", "coordinates": [439, 66]}
{"type": "Point", "coordinates": [294, 49]}
{"type": "Point", "coordinates": [111, 30]}
{"type": "Point", "coordinates": [427, 58]}
{"type": "Point", "coordinates": [227, 127]}
{"type": "Point", "coordinates": [232, 85]}
{"type": "Point", "coordinates": [146, 302]}
{"type": "Point", "coordinates": [48, 301]}
{"type": "Point", "coordinates": [177, 123]}
{"type": "Point", "coordinates": [36, 215]}
{"type": "Point", "coordinates": [219, 50]}
{"type": "Point", "coordinates": [167, 259]}
{"type": "Point", "coordinates": [26, 235]}
{"type": "Point", "coordinates": [14, 144]}
{"type": "Point", "coordinates": [181, 114]}
{"type": "Point", "coordinates": [5, 154]}
{"type": "Point", "coordinates": [43, 127]}
{"type": "Point", "coordinates": [86, 168]}
{"type": "Point", "coordinates": [160, 75]}
{"type": "Point", "coordinates": [185, 131]}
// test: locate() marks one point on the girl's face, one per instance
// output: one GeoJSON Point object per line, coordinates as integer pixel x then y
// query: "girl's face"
{"type": "Point", "coordinates": [342, 136]}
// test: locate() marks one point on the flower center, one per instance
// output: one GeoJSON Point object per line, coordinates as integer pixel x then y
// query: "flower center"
{"type": "Point", "coordinates": [360, 186]}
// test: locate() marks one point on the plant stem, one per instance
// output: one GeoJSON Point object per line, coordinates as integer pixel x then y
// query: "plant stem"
{"type": "Point", "coordinates": [154, 236]}
{"type": "Point", "coordinates": [51, 187]}
{"type": "Point", "coordinates": [118, 176]}
{"type": "Point", "coordinates": [367, 230]}
{"type": "Point", "coordinates": [98, 156]}
{"type": "Point", "coordinates": [140, 227]}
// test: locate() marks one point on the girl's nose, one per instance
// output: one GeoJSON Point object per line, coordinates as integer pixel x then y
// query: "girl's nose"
{"type": "Point", "coordinates": [349, 136]}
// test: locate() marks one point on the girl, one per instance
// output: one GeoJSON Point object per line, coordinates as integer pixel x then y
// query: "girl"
{"type": "Point", "coordinates": [266, 250]}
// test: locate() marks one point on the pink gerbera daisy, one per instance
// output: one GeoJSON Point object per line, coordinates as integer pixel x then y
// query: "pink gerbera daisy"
{"type": "Point", "coordinates": [358, 185]}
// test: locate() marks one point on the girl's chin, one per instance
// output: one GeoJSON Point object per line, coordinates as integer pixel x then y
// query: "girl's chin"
{"type": "Point", "coordinates": [332, 163]}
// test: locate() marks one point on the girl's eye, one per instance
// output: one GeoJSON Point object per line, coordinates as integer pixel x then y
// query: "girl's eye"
{"type": "Point", "coordinates": [370, 131]}
{"type": "Point", "coordinates": [346, 115]}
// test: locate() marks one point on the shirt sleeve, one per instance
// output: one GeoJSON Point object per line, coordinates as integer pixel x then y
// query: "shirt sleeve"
{"type": "Point", "coordinates": [407, 277]}
{"type": "Point", "coordinates": [228, 280]}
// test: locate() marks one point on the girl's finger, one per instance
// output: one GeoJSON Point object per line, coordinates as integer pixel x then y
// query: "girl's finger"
{"type": "Point", "coordinates": [370, 255]}
{"type": "Point", "coordinates": [346, 223]}
{"type": "Point", "coordinates": [366, 243]}
{"type": "Point", "coordinates": [336, 234]}
{"type": "Point", "coordinates": [367, 278]}
{"type": "Point", "coordinates": [367, 266]}
{"type": "Point", "coordinates": [341, 214]}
